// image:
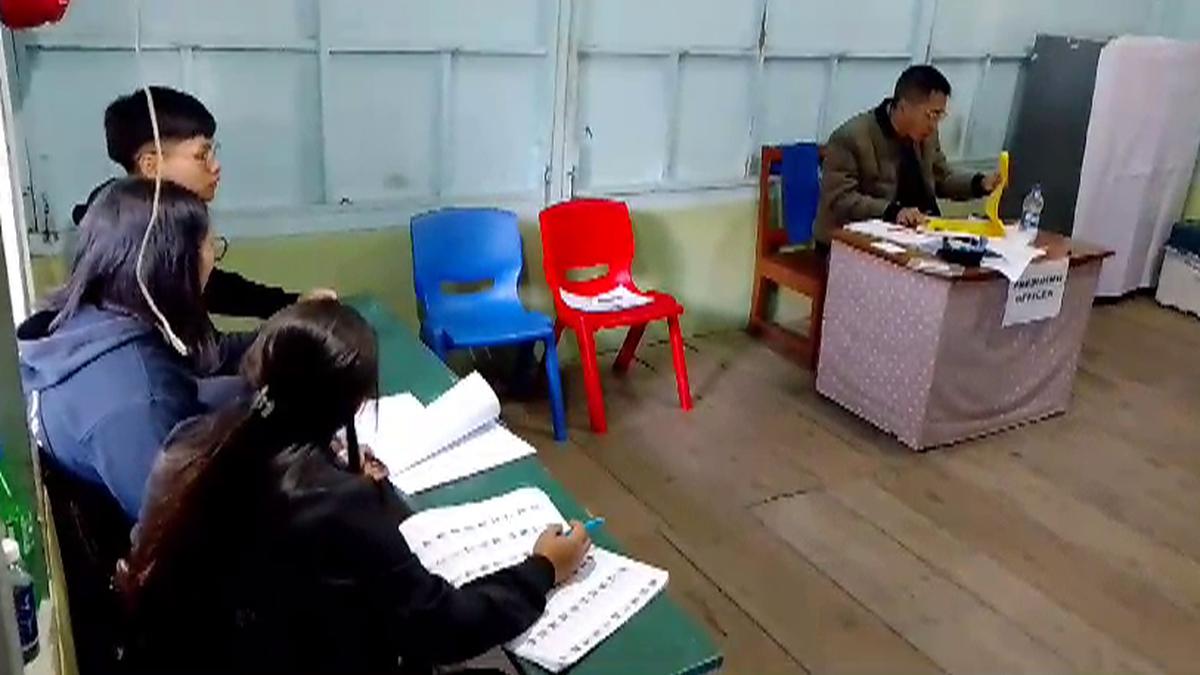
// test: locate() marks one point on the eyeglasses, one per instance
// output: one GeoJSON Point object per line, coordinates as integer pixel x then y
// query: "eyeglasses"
{"type": "Point", "coordinates": [220, 246]}
{"type": "Point", "coordinates": [208, 155]}
{"type": "Point", "coordinates": [936, 115]}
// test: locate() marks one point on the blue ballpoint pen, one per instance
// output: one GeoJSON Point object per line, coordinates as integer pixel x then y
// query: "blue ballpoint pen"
{"type": "Point", "coordinates": [591, 526]}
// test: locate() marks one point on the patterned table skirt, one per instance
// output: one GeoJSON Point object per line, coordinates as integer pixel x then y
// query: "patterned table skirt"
{"type": "Point", "coordinates": [926, 358]}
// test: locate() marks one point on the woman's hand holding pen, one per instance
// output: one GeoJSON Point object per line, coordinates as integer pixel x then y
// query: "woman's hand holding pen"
{"type": "Point", "coordinates": [564, 551]}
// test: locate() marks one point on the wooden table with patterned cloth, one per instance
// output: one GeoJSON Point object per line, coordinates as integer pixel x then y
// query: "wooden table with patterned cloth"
{"type": "Point", "coordinates": [923, 354]}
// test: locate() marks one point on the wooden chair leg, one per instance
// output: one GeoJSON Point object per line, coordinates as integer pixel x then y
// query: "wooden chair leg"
{"type": "Point", "coordinates": [760, 302]}
{"type": "Point", "coordinates": [628, 349]}
{"type": "Point", "coordinates": [679, 356]}
{"type": "Point", "coordinates": [816, 321]}
{"type": "Point", "coordinates": [591, 381]}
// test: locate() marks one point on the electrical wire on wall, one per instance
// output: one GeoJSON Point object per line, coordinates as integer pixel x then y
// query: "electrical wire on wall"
{"type": "Point", "coordinates": [163, 324]}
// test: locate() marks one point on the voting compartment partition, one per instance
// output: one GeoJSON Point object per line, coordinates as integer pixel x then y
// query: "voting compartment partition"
{"type": "Point", "coordinates": [1140, 156]}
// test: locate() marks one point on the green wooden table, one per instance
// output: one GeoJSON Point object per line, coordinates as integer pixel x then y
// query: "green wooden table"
{"type": "Point", "coordinates": [660, 639]}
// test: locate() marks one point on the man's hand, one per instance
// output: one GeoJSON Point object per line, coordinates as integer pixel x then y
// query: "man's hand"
{"type": "Point", "coordinates": [910, 217]}
{"type": "Point", "coordinates": [990, 181]}
{"type": "Point", "coordinates": [319, 294]}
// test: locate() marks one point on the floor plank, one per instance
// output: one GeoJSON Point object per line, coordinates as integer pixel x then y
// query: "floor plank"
{"type": "Point", "coordinates": [961, 634]}
{"type": "Point", "coordinates": [1174, 575]}
{"type": "Point", "coordinates": [1067, 545]}
{"type": "Point", "coordinates": [815, 620]}
{"type": "Point", "coordinates": [746, 646]}
{"type": "Point", "coordinates": [1123, 606]}
{"type": "Point", "coordinates": [1083, 647]}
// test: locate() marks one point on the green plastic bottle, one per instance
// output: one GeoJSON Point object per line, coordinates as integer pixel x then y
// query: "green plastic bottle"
{"type": "Point", "coordinates": [18, 522]}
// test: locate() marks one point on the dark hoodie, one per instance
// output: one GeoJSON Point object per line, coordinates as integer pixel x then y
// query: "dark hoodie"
{"type": "Point", "coordinates": [109, 391]}
{"type": "Point", "coordinates": [227, 293]}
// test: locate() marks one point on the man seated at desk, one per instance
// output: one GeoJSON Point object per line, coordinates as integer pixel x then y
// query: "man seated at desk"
{"type": "Point", "coordinates": [887, 162]}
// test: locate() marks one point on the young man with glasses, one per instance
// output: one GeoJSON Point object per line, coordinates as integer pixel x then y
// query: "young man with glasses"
{"type": "Point", "coordinates": [887, 162]}
{"type": "Point", "coordinates": [189, 158]}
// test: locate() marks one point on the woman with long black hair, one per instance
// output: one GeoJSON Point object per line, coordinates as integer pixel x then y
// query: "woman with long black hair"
{"type": "Point", "coordinates": [108, 378]}
{"type": "Point", "coordinates": [262, 550]}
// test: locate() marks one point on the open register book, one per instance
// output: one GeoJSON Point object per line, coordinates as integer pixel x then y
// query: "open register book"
{"type": "Point", "coordinates": [456, 436]}
{"type": "Point", "coordinates": [463, 543]}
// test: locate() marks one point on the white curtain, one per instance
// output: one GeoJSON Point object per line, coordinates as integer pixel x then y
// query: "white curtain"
{"type": "Point", "coordinates": [1140, 156]}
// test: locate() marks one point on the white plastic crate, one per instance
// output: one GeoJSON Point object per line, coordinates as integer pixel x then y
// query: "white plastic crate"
{"type": "Point", "coordinates": [1179, 282]}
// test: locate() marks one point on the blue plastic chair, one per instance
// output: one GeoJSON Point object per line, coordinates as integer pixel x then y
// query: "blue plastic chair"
{"type": "Point", "coordinates": [479, 247]}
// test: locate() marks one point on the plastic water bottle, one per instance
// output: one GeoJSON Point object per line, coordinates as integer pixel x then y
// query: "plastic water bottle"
{"type": "Point", "coordinates": [23, 598]}
{"type": "Point", "coordinates": [1031, 209]}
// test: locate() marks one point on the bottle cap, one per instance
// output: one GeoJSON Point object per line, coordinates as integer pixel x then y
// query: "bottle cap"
{"type": "Point", "coordinates": [12, 551]}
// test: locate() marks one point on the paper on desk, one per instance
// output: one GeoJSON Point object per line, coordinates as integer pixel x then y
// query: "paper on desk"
{"type": "Point", "coordinates": [402, 432]}
{"type": "Point", "coordinates": [456, 436]}
{"type": "Point", "coordinates": [888, 247]}
{"type": "Point", "coordinates": [613, 300]}
{"type": "Point", "coordinates": [487, 448]}
{"type": "Point", "coordinates": [463, 543]}
{"type": "Point", "coordinates": [1013, 255]}
{"type": "Point", "coordinates": [897, 234]}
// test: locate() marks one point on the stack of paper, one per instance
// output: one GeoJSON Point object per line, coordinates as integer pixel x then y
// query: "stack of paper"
{"type": "Point", "coordinates": [457, 436]}
{"type": "Point", "coordinates": [897, 234]}
{"type": "Point", "coordinates": [614, 300]}
{"type": "Point", "coordinates": [464, 543]}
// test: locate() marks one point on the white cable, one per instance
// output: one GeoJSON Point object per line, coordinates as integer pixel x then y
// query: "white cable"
{"type": "Point", "coordinates": [163, 324]}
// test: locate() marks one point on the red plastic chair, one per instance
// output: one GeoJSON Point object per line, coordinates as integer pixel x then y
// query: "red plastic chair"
{"type": "Point", "coordinates": [596, 233]}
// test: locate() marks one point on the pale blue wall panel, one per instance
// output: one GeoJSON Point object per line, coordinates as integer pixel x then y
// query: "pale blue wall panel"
{"type": "Point", "coordinates": [187, 21]}
{"type": "Point", "coordinates": [971, 26]}
{"type": "Point", "coordinates": [438, 22]}
{"type": "Point", "coordinates": [964, 80]}
{"type": "Point", "coordinates": [859, 86]}
{"type": "Point", "coordinates": [792, 91]}
{"type": "Point", "coordinates": [714, 119]}
{"type": "Point", "coordinates": [501, 125]}
{"type": "Point", "coordinates": [663, 23]}
{"type": "Point", "coordinates": [268, 112]}
{"type": "Point", "coordinates": [62, 113]}
{"type": "Point", "coordinates": [843, 26]}
{"type": "Point", "coordinates": [111, 20]}
{"type": "Point", "coordinates": [215, 21]}
{"type": "Point", "coordinates": [622, 120]}
{"type": "Point", "coordinates": [382, 129]}
{"type": "Point", "coordinates": [1181, 19]}
{"type": "Point", "coordinates": [993, 105]}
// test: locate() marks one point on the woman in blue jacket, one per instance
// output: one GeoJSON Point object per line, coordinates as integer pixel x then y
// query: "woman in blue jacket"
{"type": "Point", "coordinates": [106, 386]}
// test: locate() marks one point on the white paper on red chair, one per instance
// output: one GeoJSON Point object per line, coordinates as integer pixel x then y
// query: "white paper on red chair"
{"type": "Point", "coordinates": [613, 300]}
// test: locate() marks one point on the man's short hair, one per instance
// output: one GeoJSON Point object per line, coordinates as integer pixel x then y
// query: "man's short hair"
{"type": "Point", "coordinates": [127, 127]}
{"type": "Point", "coordinates": [916, 83]}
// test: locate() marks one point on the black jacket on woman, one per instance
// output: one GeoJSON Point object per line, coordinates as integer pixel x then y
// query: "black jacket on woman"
{"type": "Point", "coordinates": [316, 578]}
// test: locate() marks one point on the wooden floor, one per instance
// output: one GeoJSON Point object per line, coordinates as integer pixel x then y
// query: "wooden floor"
{"type": "Point", "coordinates": [806, 541]}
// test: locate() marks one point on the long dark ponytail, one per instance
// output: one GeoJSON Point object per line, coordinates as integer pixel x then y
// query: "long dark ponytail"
{"type": "Point", "coordinates": [313, 365]}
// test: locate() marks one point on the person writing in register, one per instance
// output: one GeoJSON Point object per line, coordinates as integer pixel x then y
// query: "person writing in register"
{"type": "Point", "coordinates": [259, 550]}
{"type": "Point", "coordinates": [887, 162]}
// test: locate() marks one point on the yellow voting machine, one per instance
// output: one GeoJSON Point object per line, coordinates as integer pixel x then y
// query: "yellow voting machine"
{"type": "Point", "coordinates": [992, 227]}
